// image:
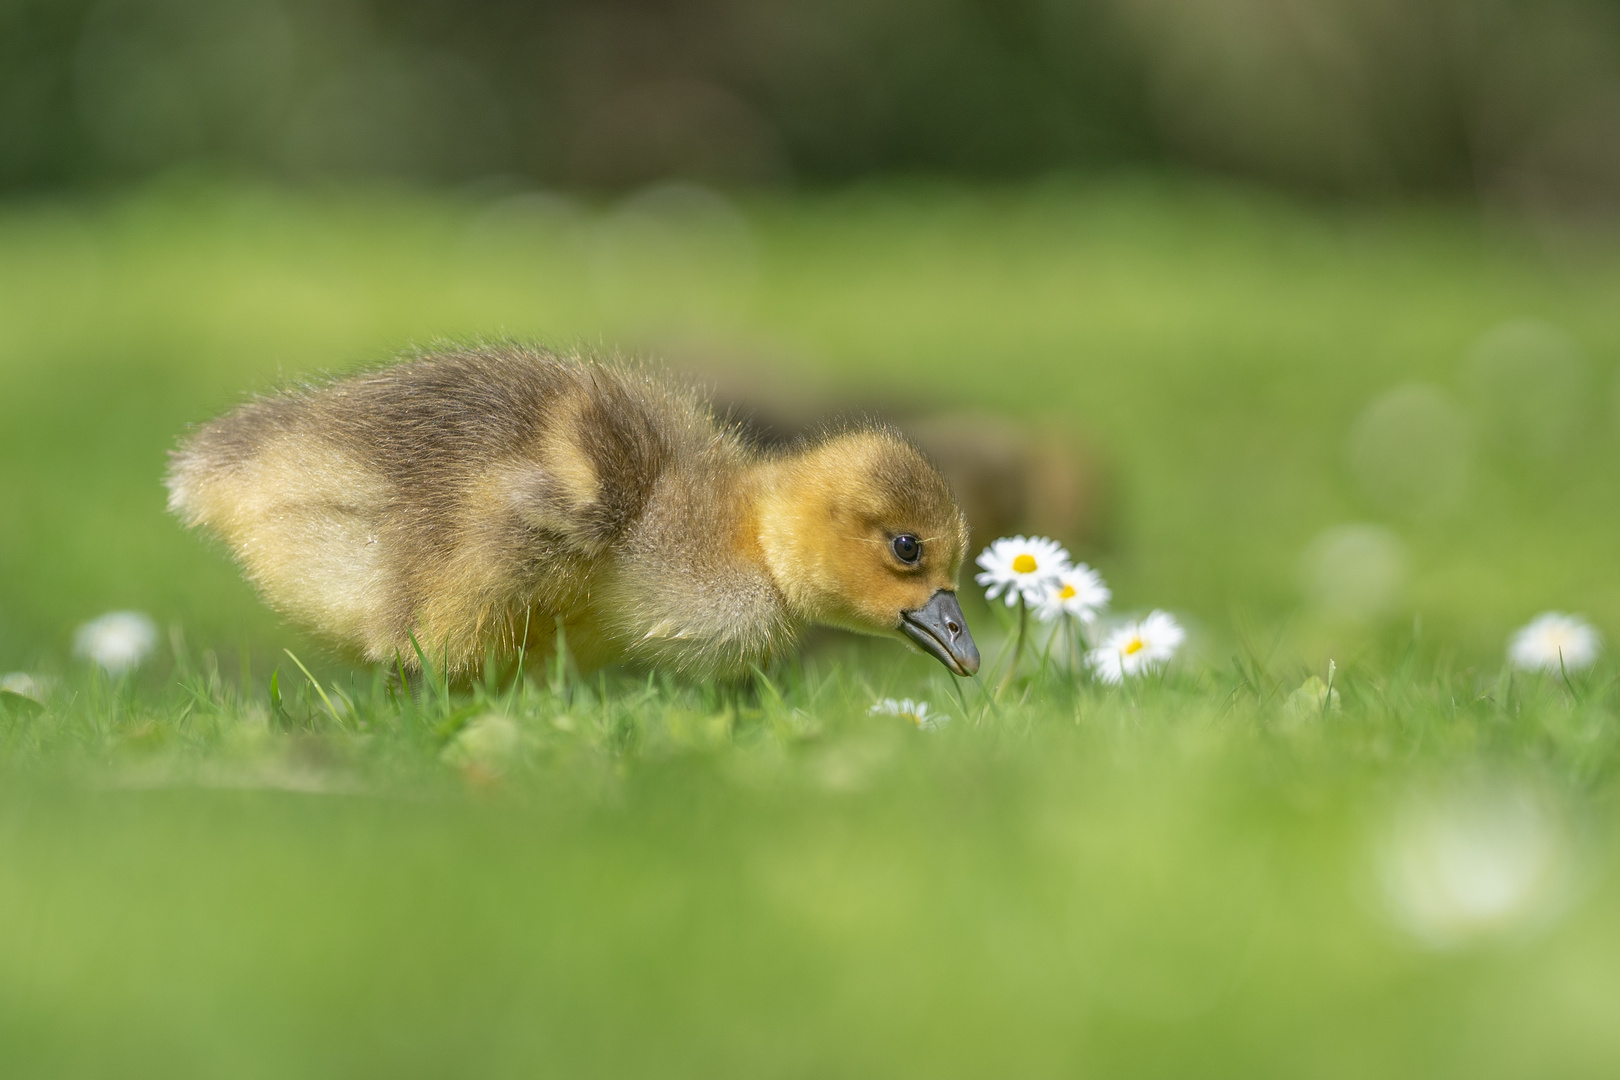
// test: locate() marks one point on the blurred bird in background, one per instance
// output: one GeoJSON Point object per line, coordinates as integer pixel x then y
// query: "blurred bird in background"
{"type": "Point", "coordinates": [1009, 474]}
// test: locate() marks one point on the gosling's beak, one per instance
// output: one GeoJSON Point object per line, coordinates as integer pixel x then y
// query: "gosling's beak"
{"type": "Point", "coordinates": [938, 626]}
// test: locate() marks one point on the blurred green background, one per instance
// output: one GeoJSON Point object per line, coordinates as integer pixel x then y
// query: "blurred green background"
{"type": "Point", "coordinates": [1319, 420]}
{"type": "Point", "coordinates": [1325, 290]}
{"type": "Point", "coordinates": [1324, 294]}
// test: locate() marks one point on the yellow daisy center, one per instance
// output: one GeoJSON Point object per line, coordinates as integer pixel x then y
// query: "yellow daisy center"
{"type": "Point", "coordinates": [1134, 646]}
{"type": "Point", "coordinates": [1066, 593]}
{"type": "Point", "coordinates": [1024, 564]}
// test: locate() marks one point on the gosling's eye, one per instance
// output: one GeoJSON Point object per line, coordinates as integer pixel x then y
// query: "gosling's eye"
{"type": "Point", "coordinates": [907, 548]}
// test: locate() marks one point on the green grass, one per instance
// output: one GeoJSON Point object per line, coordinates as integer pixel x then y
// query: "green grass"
{"type": "Point", "coordinates": [1184, 878]}
{"type": "Point", "coordinates": [1201, 874]}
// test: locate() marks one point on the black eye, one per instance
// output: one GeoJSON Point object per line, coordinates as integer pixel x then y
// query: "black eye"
{"type": "Point", "coordinates": [907, 548]}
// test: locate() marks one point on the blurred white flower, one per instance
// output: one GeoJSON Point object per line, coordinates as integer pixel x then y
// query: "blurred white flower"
{"type": "Point", "coordinates": [1463, 865]}
{"type": "Point", "coordinates": [1554, 641]}
{"type": "Point", "coordinates": [1020, 566]}
{"type": "Point", "coordinates": [1077, 591]}
{"type": "Point", "coordinates": [915, 711]}
{"type": "Point", "coordinates": [117, 641]}
{"type": "Point", "coordinates": [23, 684]}
{"type": "Point", "coordinates": [490, 741]}
{"type": "Point", "coordinates": [1136, 647]}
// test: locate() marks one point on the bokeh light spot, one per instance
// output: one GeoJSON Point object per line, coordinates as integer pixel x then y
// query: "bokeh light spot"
{"type": "Point", "coordinates": [1410, 452]}
{"type": "Point", "coordinates": [1356, 573]}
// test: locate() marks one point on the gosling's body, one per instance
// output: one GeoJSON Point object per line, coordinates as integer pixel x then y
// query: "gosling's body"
{"type": "Point", "coordinates": [481, 498]}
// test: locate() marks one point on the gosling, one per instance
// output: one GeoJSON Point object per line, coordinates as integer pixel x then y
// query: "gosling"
{"type": "Point", "coordinates": [484, 499]}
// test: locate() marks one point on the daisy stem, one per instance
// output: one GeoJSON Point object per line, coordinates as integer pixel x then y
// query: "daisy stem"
{"type": "Point", "coordinates": [1018, 645]}
{"type": "Point", "coordinates": [1562, 670]}
{"type": "Point", "coordinates": [1046, 653]}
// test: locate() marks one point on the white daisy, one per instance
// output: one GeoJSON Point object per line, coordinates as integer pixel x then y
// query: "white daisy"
{"type": "Point", "coordinates": [1463, 866]}
{"type": "Point", "coordinates": [915, 711]}
{"type": "Point", "coordinates": [1077, 591]}
{"type": "Point", "coordinates": [1554, 641]}
{"type": "Point", "coordinates": [1136, 647]}
{"type": "Point", "coordinates": [1021, 566]}
{"type": "Point", "coordinates": [117, 642]}
{"type": "Point", "coordinates": [23, 684]}
{"type": "Point", "coordinates": [490, 741]}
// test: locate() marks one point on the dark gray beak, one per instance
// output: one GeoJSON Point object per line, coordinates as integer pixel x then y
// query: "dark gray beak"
{"type": "Point", "coordinates": [939, 628]}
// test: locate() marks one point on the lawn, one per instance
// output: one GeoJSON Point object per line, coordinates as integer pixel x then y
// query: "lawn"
{"type": "Point", "coordinates": [1379, 437]}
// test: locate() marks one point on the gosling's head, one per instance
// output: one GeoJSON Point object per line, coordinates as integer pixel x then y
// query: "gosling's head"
{"type": "Point", "coordinates": [861, 532]}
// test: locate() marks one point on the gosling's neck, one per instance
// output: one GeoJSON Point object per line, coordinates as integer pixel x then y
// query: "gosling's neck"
{"type": "Point", "coordinates": [792, 506]}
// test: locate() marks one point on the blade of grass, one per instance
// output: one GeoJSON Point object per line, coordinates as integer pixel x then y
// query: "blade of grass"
{"type": "Point", "coordinates": [319, 689]}
{"type": "Point", "coordinates": [278, 708]}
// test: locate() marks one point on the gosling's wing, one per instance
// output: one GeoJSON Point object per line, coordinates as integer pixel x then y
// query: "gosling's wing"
{"type": "Point", "coordinates": [571, 447]}
{"type": "Point", "coordinates": [588, 476]}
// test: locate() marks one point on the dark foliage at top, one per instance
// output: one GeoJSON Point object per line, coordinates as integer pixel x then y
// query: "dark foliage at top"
{"type": "Point", "coordinates": [1364, 96]}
